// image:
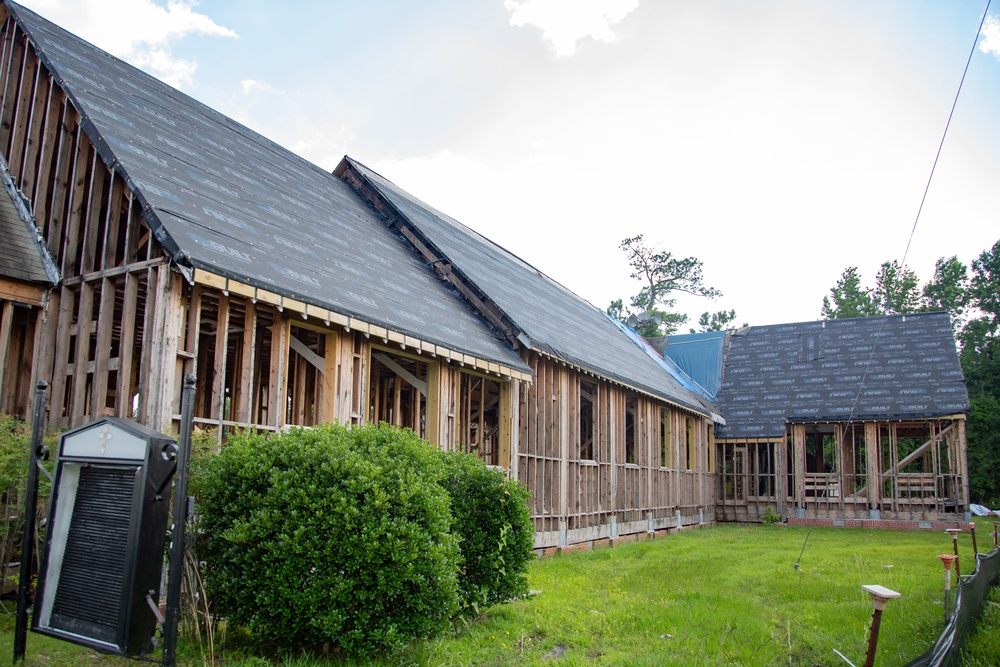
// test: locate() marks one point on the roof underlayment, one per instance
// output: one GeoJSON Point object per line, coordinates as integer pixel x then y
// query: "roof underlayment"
{"type": "Point", "coordinates": [558, 322]}
{"type": "Point", "coordinates": [873, 368]}
{"type": "Point", "coordinates": [222, 198]}
{"type": "Point", "coordinates": [22, 256]}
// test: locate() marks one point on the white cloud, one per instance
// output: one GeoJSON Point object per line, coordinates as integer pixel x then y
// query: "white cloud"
{"type": "Point", "coordinates": [991, 37]}
{"type": "Point", "coordinates": [138, 31]}
{"type": "Point", "coordinates": [565, 22]}
{"type": "Point", "coordinates": [252, 86]}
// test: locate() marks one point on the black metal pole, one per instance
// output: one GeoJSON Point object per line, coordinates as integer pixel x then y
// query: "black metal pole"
{"type": "Point", "coordinates": [30, 507]}
{"type": "Point", "coordinates": [177, 544]}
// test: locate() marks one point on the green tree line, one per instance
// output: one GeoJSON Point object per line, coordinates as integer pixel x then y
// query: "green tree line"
{"type": "Point", "coordinates": [971, 295]}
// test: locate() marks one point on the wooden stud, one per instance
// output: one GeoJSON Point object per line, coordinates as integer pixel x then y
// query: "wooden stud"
{"type": "Point", "coordinates": [76, 205]}
{"type": "Point", "coordinates": [91, 230]}
{"type": "Point", "coordinates": [6, 324]}
{"type": "Point", "coordinates": [126, 348]}
{"type": "Point", "coordinates": [244, 411]}
{"type": "Point", "coordinates": [84, 329]}
{"type": "Point", "coordinates": [219, 364]}
{"type": "Point", "coordinates": [69, 137]}
{"type": "Point", "coordinates": [33, 138]}
{"type": "Point", "coordinates": [278, 374]}
{"type": "Point", "coordinates": [112, 222]}
{"type": "Point", "coordinates": [15, 71]}
{"type": "Point", "coordinates": [105, 324]}
{"type": "Point", "coordinates": [52, 135]}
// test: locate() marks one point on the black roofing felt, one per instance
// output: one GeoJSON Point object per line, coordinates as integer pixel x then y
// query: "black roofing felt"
{"type": "Point", "coordinates": [20, 256]}
{"type": "Point", "coordinates": [232, 202]}
{"type": "Point", "coordinates": [557, 321]}
{"type": "Point", "coordinates": [828, 371]}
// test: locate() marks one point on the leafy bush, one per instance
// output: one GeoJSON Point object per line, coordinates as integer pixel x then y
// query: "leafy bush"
{"type": "Point", "coordinates": [770, 517]}
{"type": "Point", "coordinates": [492, 520]}
{"type": "Point", "coordinates": [330, 536]}
{"type": "Point", "coordinates": [15, 443]}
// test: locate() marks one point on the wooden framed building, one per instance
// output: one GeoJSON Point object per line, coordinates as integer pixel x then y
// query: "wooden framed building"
{"type": "Point", "coordinates": [181, 241]}
{"type": "Point", "coordinates": [840, 419]}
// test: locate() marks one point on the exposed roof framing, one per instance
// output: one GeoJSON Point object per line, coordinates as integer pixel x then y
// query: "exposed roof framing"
{"type": "Point", "coordinates": [550, 319]}
{"type": "Point", "coordinates": [434, 256]}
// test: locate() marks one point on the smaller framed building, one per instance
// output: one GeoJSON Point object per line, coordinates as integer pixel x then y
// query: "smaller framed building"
{"type": "Point", "coordinates": [843, 419]}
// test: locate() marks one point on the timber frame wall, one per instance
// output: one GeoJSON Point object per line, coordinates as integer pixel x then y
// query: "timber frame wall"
{"type": "Point", "coordinates": [603, 461]}
{"type": "Point", "coordinates": [124, 325]}
{"type": "Point", "coordinates": [912, 470]}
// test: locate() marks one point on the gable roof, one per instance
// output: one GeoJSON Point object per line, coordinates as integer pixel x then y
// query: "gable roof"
{"type": "Point", "coordinates": [863, 369]}
{"type": "Point", "coordinates": [224, 199]}
{"type": "Point", "coordinates": [22, 257]}
{"type": "Point", "coordinates": [555, 321]}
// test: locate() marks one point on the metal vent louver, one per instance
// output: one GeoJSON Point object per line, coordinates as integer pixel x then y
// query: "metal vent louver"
{"type": "Point", "coordinates": [92, 581]}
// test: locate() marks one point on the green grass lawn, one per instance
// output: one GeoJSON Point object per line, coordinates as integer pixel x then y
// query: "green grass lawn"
{"type": "Point", "coordinates": [727, 595]}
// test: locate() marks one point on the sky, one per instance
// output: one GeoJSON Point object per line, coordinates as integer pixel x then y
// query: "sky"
{"type": "Point", "coordinates": [777, 141]}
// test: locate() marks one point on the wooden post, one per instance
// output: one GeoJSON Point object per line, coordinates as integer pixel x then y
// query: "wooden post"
{"type": "Point", "coordinates": [506, 424]}
{"type": "Point", "coordinates": [799, 462]}
{"type": "Point", "coordinates": [963, 462]}
{"type": "Point", "coordinates": [105, 324]}
{"type": "Point", "coordinates": [331, 362]}
{"type": "Point", "coordinates": [126, 348]}
{"type": "Point", "coordinates": [278, 375]}
{"type": "Point", "coordinates": [780, 451]}
{"type": "Point", "coordinates": [162, 339]}
{"type": "Point", "coordinates": [872, 447]}
{"type": "Point", "coordinates": [434, 403]}
{"type": "Point", "coordinates": [219, 361]}
{"type": "Point", "coordinates": [84, 328]}
{"type": "Point", "coordinates": [562, 415]}
{"type": "Point", "coordinates": [6, 321]}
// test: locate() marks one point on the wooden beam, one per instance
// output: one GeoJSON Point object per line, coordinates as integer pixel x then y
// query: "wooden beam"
{"type": "Point", "coordinates": [244, 410]}
{"type": "Point", "coordinates": [112, 222]}
{"type": "Point", "coordinates": [278, 375]}
{"type": "Point", "coordinates": [303, 351]}
{"type": "Point", "coordinates": [6, 322]}
{"type": "Point", "coordinates": [57, 404]}
{"type": "Point", "coordinates": [51, 137]}
{"type": "Point", "coordinates": [420, 385]}
{"type": "Point", "coordinates": [33, 138]}
{"type": "Point", "coordinates": [26, 88]}
{"type": "Point", "coordinates": [799, 463]}
{"type": "Point", "coordinates": [84, 328]}
{"type": "Point", "coordinates": [105, 324]}
{"type": "Point", "coordinates": [219, 363]}
{"type": "Point", "coordinates": [91, 230]}
{"type": "Point", "coordinates": [56, 218]}
{"type": "Point", "coordinates": [41, 351]}
{"type": "Point", "coordinates": [328, 403]}
{"type": "Point", "coordinates": [872, 446]}
{"type": "Point", "coordinates": [14, 67]}
{"type": "Point", "coordinates": [30, 295]}
{"type": "Point", "coordinates": [76, 204]}
{"type": "Point", "coordinates": [126, 348]}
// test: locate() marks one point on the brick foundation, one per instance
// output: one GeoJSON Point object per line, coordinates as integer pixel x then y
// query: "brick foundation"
{"type": "Point", "coordinates": [881, 524]}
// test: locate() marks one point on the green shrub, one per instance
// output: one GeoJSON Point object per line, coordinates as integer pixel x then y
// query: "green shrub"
{"type": "Point", "coordinates": [493, 522]}
{"type": "Point", "coordinates": [770, 517]}
{"type": "Point", "coordinates": [329, 536]}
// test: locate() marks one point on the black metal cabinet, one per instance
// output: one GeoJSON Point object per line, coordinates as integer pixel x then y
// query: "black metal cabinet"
{"type": "Point", "coordinates": [105, 537]}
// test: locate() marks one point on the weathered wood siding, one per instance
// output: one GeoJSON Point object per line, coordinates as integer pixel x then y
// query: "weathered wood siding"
{"type": "Point", "coordinates": [628, 464]}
